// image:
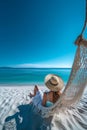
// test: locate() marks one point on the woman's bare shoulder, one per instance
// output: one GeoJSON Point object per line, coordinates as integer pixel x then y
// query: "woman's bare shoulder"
{"type": "Point", "coordinates": [50, 93]}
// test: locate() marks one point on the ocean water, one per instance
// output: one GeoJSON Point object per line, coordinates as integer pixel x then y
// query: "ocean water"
{"type": "Point", "coordinates": [28, 76]}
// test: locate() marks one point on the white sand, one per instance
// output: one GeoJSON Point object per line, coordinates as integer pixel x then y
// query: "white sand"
{"type": "Point", "coordinates": [11, 98]}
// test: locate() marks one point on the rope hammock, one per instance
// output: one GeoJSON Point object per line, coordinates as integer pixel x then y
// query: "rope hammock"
{"type": "Point", "coordinates": [77, 80]}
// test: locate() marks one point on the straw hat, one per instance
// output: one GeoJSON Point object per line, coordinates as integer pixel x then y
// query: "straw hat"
{"type": "Point", "coordinates": [54, 82]}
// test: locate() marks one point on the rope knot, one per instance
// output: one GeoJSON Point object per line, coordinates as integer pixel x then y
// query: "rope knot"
{"type": "Point", "coordinates": [78, 40]}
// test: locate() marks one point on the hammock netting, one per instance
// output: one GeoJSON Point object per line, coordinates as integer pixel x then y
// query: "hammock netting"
{"type": "Point", "coordinates": [78, 77]}
{"type": "Point", "coordinates": [76, 83]}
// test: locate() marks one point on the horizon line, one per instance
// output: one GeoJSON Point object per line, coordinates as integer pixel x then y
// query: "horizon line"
{"type": "Point", "coordinates": [35, 67]}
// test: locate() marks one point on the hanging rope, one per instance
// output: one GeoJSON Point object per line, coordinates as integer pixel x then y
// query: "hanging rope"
{"type": "Point", "coordinates": [85, 20]}
{"type": "Point", "coordinates": [80, 38]}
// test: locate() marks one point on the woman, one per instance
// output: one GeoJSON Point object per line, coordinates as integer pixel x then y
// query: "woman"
{"type": "Point", "coordinates": [55, 84]}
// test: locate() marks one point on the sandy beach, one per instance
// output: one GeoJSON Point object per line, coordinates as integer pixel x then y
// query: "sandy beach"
{"type": "Point", "coordinates": [16, 114]}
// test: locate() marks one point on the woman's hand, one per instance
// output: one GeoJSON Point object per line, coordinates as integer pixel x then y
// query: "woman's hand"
{"type": "Point", "coordinates": [31, 95]}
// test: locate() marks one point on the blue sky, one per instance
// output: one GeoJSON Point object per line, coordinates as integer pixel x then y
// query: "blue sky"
{"type": "Point", "coordinates": [39, 33]}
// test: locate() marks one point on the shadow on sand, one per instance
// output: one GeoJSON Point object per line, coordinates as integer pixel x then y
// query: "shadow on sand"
{"type": "Point", "coordinates": [26, 119]}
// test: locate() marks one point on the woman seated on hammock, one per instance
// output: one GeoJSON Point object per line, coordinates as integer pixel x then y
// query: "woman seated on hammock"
{"type": "Point", "coordinates": [55, 84]}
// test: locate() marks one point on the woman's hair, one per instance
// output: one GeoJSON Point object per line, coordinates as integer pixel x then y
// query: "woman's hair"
{"type": "Point", "coordinates": [55, 96]}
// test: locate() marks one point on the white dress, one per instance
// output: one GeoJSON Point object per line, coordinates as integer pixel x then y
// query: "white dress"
{"type": "Point", "coordinates": [37, 99]}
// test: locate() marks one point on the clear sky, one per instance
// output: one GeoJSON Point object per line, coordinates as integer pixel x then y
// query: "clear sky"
{"type": "Point", "coordinates": [39, 32]}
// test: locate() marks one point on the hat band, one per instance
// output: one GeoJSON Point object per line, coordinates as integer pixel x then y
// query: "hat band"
{"type": "Point", "coordinates": [52, 83]}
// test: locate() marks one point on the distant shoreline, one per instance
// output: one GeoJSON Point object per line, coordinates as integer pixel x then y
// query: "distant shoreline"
{"type": "Point", "coordinates": [31, 87]}
{"type": "Point", "coordinates": [21, 85]}
{"type": "Point", "coordinates": [30, 68]}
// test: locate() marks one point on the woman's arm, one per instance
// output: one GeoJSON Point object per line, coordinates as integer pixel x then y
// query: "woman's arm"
{"type": "Point", "coordinates": [44, 99]}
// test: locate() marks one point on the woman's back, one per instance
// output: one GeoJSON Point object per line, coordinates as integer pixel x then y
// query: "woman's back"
{"type": "Point", "coordinates": [49, 98]}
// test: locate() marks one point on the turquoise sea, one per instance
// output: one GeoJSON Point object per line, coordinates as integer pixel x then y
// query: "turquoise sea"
{"type": "Point", "coordinates": [28, 76]}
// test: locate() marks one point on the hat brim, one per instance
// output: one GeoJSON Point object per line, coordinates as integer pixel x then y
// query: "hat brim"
{"type": "Point", "coordinates": [52, 87]}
